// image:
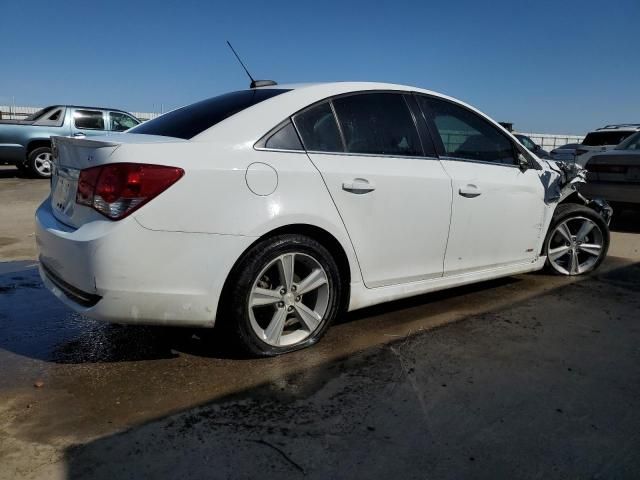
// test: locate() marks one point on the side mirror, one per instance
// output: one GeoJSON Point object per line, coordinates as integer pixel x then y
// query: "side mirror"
{"type": "Point", "coordinates": [523, 163]}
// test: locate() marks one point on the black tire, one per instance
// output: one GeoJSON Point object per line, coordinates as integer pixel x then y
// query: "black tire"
{"type": "Point", "coordinates": [566, 212]}
{"type": "Point", "coordinates": [32, 160]}
{"type": "Point", "coordinates": [234, 322]}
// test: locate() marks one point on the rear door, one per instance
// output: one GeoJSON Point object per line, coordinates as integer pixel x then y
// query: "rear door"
{"type": "Point", "coordinates": [87, 122]}
{"type": "Point", "coordinates": [497, 209]}
{"type": "Point", "coordinates": [393, 195]}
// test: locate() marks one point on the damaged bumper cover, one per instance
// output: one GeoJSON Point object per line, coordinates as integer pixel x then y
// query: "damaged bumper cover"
{"type": "Point", "coordinates": [561, 182]}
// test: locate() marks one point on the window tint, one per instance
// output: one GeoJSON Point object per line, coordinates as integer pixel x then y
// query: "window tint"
{"type": "Point", "coordinates": [285, 138]}
{"type": "Point", "coordinates": [55, 116]}
{"type": "Point", "coordinates": [318, 129]}
{"type": "Point", "coordinates": [121, 122]}
{"type": "Point", "coordinates": [598, 139]}
{"type": "Point", "coordinates": [39, 114]}
{"type": "Point", "coordinates": [377, 123]}
{"type": "Point", "coordinates": [88, 119]}
{"type": "Point", "coordinates": [631, 143]}
{"type": "Point", "coordinates": [467, 135]}
{"type": "Point", "coordinates": [526, 141]}
{"type": "Point", "coordinates": [189, 121]}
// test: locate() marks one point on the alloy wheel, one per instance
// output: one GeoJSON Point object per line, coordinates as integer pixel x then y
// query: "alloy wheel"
{"type": "Point", "coordinates": [289, 299]}
{"type": "Point", "coordinates": [42, 164]}
{"type": "Point", "coordinates": [575, 246]}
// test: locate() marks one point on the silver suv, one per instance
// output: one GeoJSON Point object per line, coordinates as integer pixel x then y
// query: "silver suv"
{"type": "Point", "coordinates": [603, 139]}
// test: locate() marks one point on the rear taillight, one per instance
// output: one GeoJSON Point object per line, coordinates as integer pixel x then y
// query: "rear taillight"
{"type": "Point", "coordinates": [117, 189]}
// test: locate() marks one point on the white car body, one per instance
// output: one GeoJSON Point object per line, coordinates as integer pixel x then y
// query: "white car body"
{"type": "Point", "coordinates": [429, 224]}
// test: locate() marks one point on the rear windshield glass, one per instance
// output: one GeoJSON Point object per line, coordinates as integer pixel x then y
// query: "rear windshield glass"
{"type": "Point", "coordinates": [631, 143]}
{"type": "Point", "coordinates": [189, 121]}
{"type": "Point", "coordinates": [597, 139]}
{"type": "Point", "coordinates": [39, 113]}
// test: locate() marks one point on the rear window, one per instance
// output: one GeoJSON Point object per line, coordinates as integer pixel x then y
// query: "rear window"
{"type": "Point", "coordinates": [189, 121]}
{"type": "Point", "coordinates": [597, 139]}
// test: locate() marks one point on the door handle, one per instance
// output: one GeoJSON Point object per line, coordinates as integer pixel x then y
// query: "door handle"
{"type": "Point", "coordinates": [79, 135]}
{"type": "Point", "coordinates": [470, 191]}
{"type": "Point", "coordinates": [358, 186]}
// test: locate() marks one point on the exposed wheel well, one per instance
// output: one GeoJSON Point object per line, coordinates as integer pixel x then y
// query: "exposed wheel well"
{"type": "Point", "coordinates": [37, 144]}
{"type": "Point", "coordinates": [325, 238]}
{"type": "Point", "coordinates": [575, 197]}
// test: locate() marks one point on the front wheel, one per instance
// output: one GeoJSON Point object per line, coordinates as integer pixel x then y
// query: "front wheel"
{"type": "Point", "coordinates": [577, 242]}
{"type": "Point", "coordinates": [282, 296]}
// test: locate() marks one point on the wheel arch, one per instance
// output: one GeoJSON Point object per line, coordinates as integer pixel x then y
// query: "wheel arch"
{"type": "Point", "coordinates": [328, 240]}
{"type": "Point", "coordinates": [37, 143]}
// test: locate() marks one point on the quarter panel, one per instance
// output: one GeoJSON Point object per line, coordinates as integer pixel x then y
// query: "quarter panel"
{"type": "Point", "coordinates": [213, 196]}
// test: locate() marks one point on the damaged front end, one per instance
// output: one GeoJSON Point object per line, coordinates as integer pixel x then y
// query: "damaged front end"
{"type": "Point", "coordinates": [561, 181]}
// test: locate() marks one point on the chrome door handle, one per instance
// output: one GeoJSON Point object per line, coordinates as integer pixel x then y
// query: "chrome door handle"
{"type": "Point", "coordinates": [358, 186]}
{"type": "Point", "coordinates": [470, 191]}
{"type": "Point", "coordinates": [79, 135]}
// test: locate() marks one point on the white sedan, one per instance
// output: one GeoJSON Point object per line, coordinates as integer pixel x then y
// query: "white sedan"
{"type": "Point", "coordinates": [269, 211]}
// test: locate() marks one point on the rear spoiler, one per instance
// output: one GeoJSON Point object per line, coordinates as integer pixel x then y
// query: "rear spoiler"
{"type": "Point", "coordinates": [83, 142]}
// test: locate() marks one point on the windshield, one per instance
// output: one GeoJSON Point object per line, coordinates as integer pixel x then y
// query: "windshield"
{"type": "Point", "coordinates": [631, 143]}
{"type": "Point", "coordinates": [526, 141]}
{"type": "Point", "coordinates": [600, 138]}
{"type": "Point", "coordinates": [189, 121]}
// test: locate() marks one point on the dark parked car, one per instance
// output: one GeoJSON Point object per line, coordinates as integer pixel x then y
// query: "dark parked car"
{"type": "Point", "coordinates": [532, 146]}
{"type": "Point", "coordinates": [565, 153]}
{"type": "Point", "coordinates": [615, 175]}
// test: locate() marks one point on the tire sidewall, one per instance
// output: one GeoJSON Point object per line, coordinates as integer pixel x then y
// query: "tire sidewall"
{"type": "Point", "coordinates": [32, 159]}
{"type": "Point", "coordinates": [235, 311]}
{"type": "Point", "coordinates": [567, 211]}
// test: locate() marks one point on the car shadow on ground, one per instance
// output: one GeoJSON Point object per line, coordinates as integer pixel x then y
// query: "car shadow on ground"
{"type": "Point", "coordinates": [33, 323]}
{"type": "Point", "coordinates": [519, 393]}
{"type": "Point", "coordinates": [626, 220]}
{"type": "Point", "coordinates": [12, 172]}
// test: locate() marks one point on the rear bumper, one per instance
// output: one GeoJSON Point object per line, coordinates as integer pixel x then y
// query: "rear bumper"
{"type": "Point", "coordinates": [612, 192]}
{"type": "Point", "coordinates": [122, 272]}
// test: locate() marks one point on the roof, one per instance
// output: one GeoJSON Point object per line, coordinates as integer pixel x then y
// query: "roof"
{"type": "Point", "coordinates": [88, 108]}
{"type": "Point", "coordinates": [621, 126]}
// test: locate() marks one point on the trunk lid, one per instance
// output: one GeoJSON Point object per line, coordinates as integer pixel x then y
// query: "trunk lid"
{"type": "Point", "coordinates": [70, 156]}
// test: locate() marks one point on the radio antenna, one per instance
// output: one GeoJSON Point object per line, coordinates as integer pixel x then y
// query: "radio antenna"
{"type": "Point", "coordinates": [254, 83]}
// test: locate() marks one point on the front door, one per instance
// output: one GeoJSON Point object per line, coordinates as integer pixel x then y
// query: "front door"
{"type": "Point", "coordinates": [497, 209]}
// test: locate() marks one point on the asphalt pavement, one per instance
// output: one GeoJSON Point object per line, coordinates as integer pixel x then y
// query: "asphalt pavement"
{"type": "Point", "coordinates": [532, 376]}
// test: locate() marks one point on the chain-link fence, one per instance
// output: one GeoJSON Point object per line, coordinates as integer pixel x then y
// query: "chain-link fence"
{"type": "Point", "coordinates": [550, 141]}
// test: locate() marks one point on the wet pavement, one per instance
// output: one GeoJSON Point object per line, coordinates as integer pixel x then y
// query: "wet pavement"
{"type": "Point", "coordinates": [533, 376]}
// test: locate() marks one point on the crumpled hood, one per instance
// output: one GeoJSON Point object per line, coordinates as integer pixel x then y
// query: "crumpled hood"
{"type": "Point", "coordinates": [560, 180]}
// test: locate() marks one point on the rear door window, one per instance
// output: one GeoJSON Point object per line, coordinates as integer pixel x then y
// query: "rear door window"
{"type": "Point", "coordinates": [121, 121]}
{"type": "Point", "coordinates": [599, 139]}
{"type": "Point", "coordinates": [318, 129]}
{"type": "Point", "coordinates": [378, 124]}
{"type": "Point", "coordinates": [189, 121]}
{"type": "Point", "coordinates": [286, 138]}
{"type": "Point", "coordinates": [466, 135]}
{"type": "Point", "coordinates": [88, 119]}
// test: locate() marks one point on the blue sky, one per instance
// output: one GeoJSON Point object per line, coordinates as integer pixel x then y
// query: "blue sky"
{"type": "Point", "coordinates": [563, 66]}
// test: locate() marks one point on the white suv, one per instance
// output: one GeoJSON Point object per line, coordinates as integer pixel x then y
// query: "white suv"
{"type": "Point", "coordinates": [603, 139]}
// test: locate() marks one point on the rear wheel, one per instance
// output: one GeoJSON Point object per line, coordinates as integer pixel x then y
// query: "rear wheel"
{"type": "Point", "coordinates": [282, 296]}
{"type": "Point", "coordinates": [577, 242]}
{"type": "Point", "coordinates": [39, 162]}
